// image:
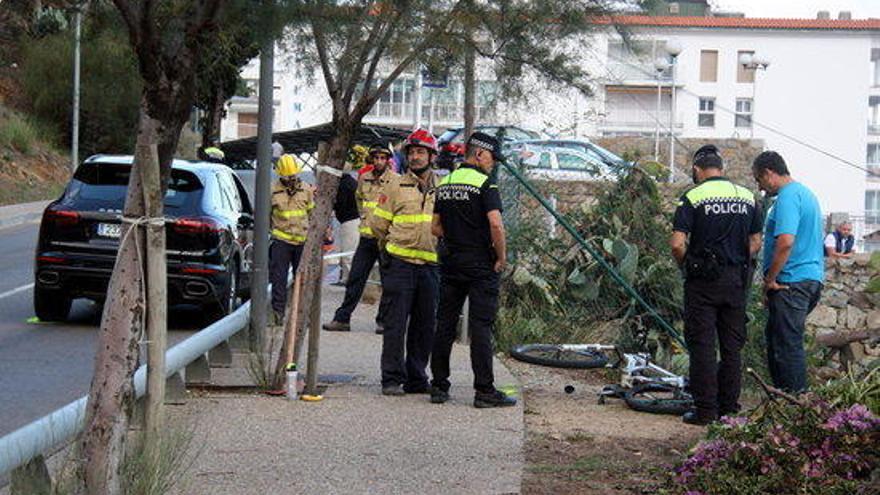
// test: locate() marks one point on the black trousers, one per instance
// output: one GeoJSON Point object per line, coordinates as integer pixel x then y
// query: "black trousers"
{"type": "Point", "coordinates": [412, 290]}
{"type": "Point", "coordinates": [716, 310]}
{"type": "Point", "coordinates": [480, 285]}
{"type": "Point", "coordinates": [362, 262]}
{"type": "Point", "coordinates": [282, 258]}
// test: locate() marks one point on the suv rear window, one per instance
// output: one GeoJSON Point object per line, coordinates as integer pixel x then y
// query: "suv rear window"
{"type": "Point", "coordinates": [103, 185]}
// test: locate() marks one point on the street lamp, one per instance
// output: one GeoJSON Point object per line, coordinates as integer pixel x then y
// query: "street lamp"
{"type": "Point", "coordinates": [78, 7]}
{"type": "Point", "coordinates": [673, 48]}
{"type": "Point", "coordinates": [660, 66]}
{"type": "Point", "coordinates": [753, 62]}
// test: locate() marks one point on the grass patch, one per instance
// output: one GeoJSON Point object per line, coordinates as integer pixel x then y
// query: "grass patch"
{"type": "Point", "coordinates": [578, 437]}
{"type": "Point", "coordinates": [18, 132]}
{"type": "Point", "coordinates": [583, 465]}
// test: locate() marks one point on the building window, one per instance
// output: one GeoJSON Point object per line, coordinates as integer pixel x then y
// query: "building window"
{"type": "Point", "coordinates": [744, 75]}
{"type": "Point", "coordinates": [743, 112]}
{"type": "Point", "coordinates": [873, 160]}
{"type": "Point", "coordinates": [706, 117]}
{"type": "Point", "coordinates": [297, 107]}
{"type": "Point", "coordinates": [875, 67]}
{"type": "Point", "coordinates": [709, 66]}
{"type": "Point", "coordinates": [247, 125]}
{"type": "Point", "coordinates": [872, 207]}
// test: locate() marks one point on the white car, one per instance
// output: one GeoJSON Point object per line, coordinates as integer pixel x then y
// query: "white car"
{"type": "Point", "coordinates": [563, 163]}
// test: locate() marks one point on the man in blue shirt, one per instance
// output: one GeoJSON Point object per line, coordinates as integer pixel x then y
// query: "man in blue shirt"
{"type": "Point", "coordinates": [794, 268]}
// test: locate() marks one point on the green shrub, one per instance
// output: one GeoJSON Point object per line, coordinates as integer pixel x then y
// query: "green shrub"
{"type": "Point", "coordinates": [18, 133]}
{"type": "Point", "coordinates": [110, 87]}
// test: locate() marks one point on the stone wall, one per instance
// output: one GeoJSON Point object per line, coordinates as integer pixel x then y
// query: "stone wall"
{"type": "Point", "coordinates": [738, 154]}
{"type": "Point", "coordinates": [847, 318]}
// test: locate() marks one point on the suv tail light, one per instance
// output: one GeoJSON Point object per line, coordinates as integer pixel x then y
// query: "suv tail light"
{"type": "Point", "coordinates": [61, 217]}
{"type": "Point", "coordinates": [197, 225]}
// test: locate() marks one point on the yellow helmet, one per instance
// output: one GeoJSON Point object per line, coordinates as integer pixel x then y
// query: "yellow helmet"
{"type": "Point", "coordinates": [287, 165]}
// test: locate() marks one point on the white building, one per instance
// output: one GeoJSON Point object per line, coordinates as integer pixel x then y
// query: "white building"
{"type": "Point", "coordinates": [817, 103]}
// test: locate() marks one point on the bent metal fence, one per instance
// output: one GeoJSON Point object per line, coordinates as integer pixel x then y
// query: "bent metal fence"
{"type": "Point", "coordinates": [23, 451]}
{"type": "Point", "coordinates": [589, 259]}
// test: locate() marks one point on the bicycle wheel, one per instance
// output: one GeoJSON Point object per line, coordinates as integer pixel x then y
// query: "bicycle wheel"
{"type": "Point", "coordinates": [658, 398]}
{"type": "Point", "coordinates": [557, 357]}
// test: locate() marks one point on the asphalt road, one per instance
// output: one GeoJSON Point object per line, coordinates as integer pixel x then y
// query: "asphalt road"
{"type": "Point", "coordinates": [45, 366]}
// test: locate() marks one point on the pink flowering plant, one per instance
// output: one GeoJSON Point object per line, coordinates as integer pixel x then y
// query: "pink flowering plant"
{"type": "Point", "coordinates": [786, 447]}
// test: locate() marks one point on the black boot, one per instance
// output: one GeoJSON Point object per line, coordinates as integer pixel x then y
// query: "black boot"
{"type": "Point", "coordinates": [484, 400]}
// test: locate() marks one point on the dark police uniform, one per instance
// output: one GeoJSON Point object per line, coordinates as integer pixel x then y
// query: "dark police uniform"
{"type": "Point", "coordinates": [719, 217]}
{"type": "Point", "coordinates": [467, 259]}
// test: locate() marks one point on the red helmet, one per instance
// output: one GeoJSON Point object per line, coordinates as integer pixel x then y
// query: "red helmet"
{"type": "Point", "coordinates": [423, 138]}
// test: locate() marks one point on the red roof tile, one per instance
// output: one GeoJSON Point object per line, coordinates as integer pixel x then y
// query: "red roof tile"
{"type": "Point", "coordinates": [744, 22]}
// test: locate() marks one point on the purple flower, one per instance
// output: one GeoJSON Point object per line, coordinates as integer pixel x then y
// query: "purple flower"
{"type": "Point", "coordinates": [734, 421]}
{"type": "Point", "coordinates": [856, 418]}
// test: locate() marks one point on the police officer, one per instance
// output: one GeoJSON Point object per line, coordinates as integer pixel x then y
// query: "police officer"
{"type": "Point", "coordinates": [370, 184]}
{"type": "Point", "coordinates": [292, 200]}
{"type": "Point", "coordinates": [401, 222]}
{"type": "Point", "coordinates": [467, 216]}
{"type": "Point", "coordinates": [716, 231]}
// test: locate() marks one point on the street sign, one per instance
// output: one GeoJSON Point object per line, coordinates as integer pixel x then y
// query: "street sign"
{"type": "Point", "coordinates": [434, 79]}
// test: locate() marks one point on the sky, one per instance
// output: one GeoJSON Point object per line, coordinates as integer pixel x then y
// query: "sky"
{"type": "Point", "coordinates": [861, 9]}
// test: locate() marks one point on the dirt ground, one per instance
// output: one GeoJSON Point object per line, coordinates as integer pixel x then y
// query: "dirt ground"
{"type": "Point", "coordinates": [574, 445]}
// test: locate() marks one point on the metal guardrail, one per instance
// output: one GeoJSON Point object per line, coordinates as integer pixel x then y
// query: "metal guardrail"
{"type": "Point", "coordinates": [59, 427]}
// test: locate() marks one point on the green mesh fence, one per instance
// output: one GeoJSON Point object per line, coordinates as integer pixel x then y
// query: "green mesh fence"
{"type": "Point", "coordinates": [590, 261]}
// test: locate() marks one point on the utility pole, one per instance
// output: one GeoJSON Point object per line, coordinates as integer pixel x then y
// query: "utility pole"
{"type": "Point", "coordinates": [470, 117]}
{"type": "Point", "coordinates": [263, 189]}
{"type": "Point", "coordinates": [74, 139]}
{"type": "Point", "coordinates": [417, 99]}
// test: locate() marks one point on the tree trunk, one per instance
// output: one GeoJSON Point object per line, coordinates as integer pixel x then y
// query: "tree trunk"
{"type": "Point", "coordinates": [470, 116]}
{"type": "Point", "coordinates": [213, 119]}
{"type": "Point", "coordinates": [111, 395]}
{"type": "Point", "coordinates": [310, 266]}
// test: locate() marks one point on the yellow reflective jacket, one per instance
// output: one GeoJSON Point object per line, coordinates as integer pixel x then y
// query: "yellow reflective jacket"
{"type": "Point", "coordinates": [290, 211]}
{"type": "Point", "coordinates": [401, 220]}
{"type": "Point", "coordinates": [368, 189]}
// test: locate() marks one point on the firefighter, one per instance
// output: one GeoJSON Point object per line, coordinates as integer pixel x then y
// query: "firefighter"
{"type": "Point", "coordinates": [467, 216]}
{"type": "Point", "coordinates": [401, 223]}
{"type": "Point", "coordinates": [292, 200]}
{"type": "Point", "coordinates": [367, 253]}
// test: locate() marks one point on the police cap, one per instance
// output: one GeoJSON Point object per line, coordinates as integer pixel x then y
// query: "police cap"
{"type": "Point", "coordinates": [486, 142]}
{"type": "Point", "coordinates": [708, 157]}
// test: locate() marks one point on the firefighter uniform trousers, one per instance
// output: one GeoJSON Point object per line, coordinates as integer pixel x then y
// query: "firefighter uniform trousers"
{"type": "Point", "coordinates": [365, 256]}
{"type": "Point", "coordinates": [409, 323]}
{"type": "Point", "coordinates": [480, 285]}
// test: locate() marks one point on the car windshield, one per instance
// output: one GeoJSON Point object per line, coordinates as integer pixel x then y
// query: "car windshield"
{"type": "Point", "coordinates": [448, 135]}
{"type": "Point", "coordinates": [103, 185]}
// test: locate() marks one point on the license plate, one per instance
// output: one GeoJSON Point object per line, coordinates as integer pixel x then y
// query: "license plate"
{"type": "Point", "coordinates": [113, 230]}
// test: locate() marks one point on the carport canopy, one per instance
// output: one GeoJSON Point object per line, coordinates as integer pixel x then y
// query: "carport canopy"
{"type": "Point", "coordinates": [305, 141]}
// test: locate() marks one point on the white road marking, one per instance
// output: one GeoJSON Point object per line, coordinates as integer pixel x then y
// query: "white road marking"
{"type": "Point", "coordinates": [16, 291]}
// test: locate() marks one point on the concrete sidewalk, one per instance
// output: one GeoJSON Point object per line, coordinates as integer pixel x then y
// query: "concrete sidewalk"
{"type": "Point", "coordinates": [21, 213]}
{"type": "Point", "coordinates": [355, 440]}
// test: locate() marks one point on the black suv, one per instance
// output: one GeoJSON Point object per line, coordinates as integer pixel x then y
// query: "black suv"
{"type": "Point", "coordinates": [209, 237]}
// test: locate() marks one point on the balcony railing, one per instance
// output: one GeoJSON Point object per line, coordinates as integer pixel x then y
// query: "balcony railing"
{"type": "Point", "coordinates": [453, 113]}
{"type": "Point", "coordinates": [636, 70]}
